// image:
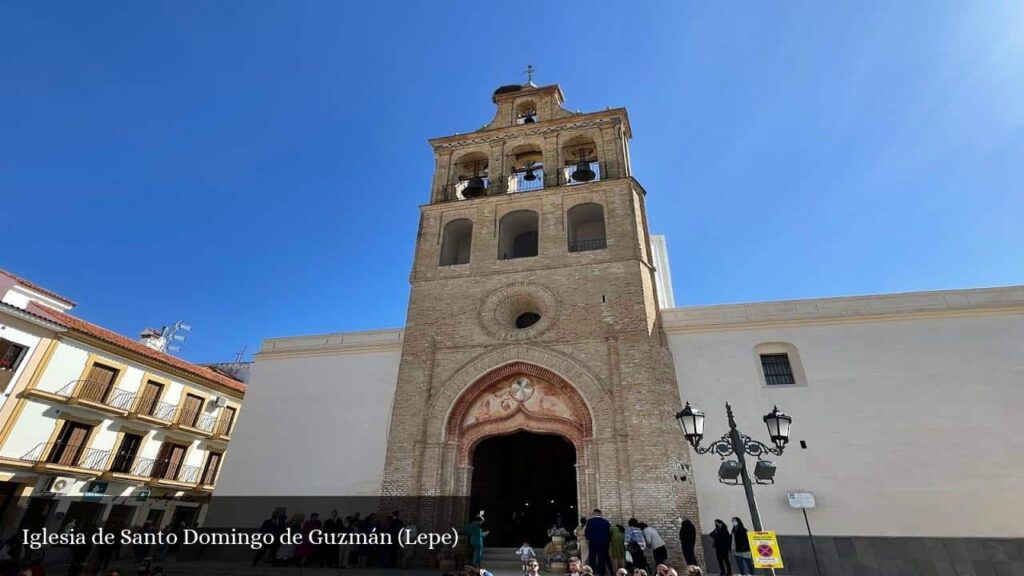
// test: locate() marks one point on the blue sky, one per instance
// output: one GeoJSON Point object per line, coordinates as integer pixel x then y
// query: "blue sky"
{"type": "Point", "coordinates": [255, 168]}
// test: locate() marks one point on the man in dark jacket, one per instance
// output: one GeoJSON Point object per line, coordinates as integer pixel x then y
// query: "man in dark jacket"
{"type": "Point", "coordinates": [688, 540]}
{"type": "Point", "coordinates": [598, 533]}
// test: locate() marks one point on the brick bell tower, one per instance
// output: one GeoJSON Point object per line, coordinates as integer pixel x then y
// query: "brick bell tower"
{"type": "Point", "coordinates": [534, 308]}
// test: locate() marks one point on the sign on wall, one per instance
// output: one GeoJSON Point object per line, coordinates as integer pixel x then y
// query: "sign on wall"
{"type": "Point", "coordinates": [764, 548]}
{"type": "Point", "coordinates": [801, 499]}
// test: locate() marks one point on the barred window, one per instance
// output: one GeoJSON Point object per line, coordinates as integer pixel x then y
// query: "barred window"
{"type": "Point", "coordinates": [777, 369]}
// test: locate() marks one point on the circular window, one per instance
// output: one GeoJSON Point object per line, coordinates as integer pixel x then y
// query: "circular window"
{"type": "Point", "coordinates": [527, 319]}
{"type": "Point", "coordinates": [518, 311]}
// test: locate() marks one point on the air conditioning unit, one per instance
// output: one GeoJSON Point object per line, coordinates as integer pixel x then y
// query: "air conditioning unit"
{"type": "Point", "coordinates": [58, 485]}
{"type": "Point", "coordinates": [220, 401]}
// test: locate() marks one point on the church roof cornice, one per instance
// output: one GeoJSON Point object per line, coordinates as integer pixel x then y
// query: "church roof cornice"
{"type": "Point", "coordinates": [586, 120]}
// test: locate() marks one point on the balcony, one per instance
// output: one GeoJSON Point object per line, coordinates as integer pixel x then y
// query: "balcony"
{"type": "Point", "coordinates": [72, 458]}
{"type": "Point", "coordinates": [565, 175]}
{"type": "Point", "coordinates": [194, 421]}
{"type": "Point", "coordinates": [148, 409]}
{"type": "Point", "coordinates": [526, 180]}
{"type": "Point", "coordinates": [166, 472]}
{"type": "Point", "coordinates": [223, 427]}
{"type": "Point", "coordinates": [95, 395]}
{"type": "Point", "coordinates": [587, 245]}
{"type": "Point", "coordinates": [465, 189]}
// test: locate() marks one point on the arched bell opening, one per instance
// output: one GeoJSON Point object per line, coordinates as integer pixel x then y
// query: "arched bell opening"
{"type": "Point", "coordinates": [582, 164]}
{"type": "Point", "coordinates": [527, 168]}
{"type": "Point", "coordinates": [471, 176]}
{"type": "Point", "coordinates": [526, 112]}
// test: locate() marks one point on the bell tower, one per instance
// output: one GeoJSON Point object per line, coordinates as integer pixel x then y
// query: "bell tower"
{"type": "Point", "coordinates": [533, 271]}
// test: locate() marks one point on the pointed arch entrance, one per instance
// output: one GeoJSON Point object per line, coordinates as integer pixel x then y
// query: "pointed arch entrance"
{"type": "Point", "coordinates": [515, 423]}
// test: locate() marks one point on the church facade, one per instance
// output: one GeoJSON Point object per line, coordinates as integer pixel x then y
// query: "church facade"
{"type": "Point", "coordinates": [542, 363]}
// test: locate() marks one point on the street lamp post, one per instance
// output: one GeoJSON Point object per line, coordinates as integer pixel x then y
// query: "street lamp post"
{"type": "Point", "coordinates": [691, 421]}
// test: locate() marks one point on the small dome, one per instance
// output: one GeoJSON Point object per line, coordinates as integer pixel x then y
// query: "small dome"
{"type": "Point", "coordinates": [506, 89]}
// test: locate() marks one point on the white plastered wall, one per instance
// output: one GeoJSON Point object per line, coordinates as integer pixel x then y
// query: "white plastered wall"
{"type": "Point", "coordinates": [909, 422]}
{"type": "Point", "coordinates": [316, 419]}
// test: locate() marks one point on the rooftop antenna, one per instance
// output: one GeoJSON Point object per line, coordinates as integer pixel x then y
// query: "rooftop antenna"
{"type": "Point", "coordinates": [171, 334]}
{"type": "Point", "coordinates": [529, 74]}
{"type": "Point", "coordinates": [240, 355]}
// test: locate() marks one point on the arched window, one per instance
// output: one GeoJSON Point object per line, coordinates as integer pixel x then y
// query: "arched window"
{"type": "Point", "coordinates": [527, 166]}
{"type": "Point", "coordinates": [779, 364]}
{"type": "Point", "coordinates": [586, 227]}
{"type": "Point", "coordinates": [517, 235]}
{"type": "Point", "coordinates": [457, 242]}
{"type": "Point", "coordinates": [581, 163]}
{"type": "Point", "coordinates": [470, 176]}
{"type": "Point", "coordinates": [526, 112]}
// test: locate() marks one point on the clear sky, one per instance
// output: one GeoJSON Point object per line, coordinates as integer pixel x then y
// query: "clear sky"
{"type": "Point", "coordinates": [255, 168]}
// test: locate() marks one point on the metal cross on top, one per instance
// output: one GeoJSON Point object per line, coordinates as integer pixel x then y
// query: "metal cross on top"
{"type": "Point", "coordinates": [529, 73]}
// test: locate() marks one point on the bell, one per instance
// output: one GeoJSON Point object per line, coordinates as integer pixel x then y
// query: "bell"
{"type": "Point", "coordinates": [474, 188]}
{"type": "Point", "coordinates": [529, 176]}
{"type": "Point", "coordinates": [583, 173]}
{"type": "Point", "coordinates": [529, 119]}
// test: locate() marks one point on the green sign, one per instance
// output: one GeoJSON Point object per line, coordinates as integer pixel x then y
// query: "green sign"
{"type": "Point", "coordinates": [95, 491]}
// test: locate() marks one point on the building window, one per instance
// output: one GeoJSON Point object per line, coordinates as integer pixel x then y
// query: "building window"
{"type": "Point", "coordinates": [586, 227]}
{"type": "Point", "coordinates": [98, 383]}
{"type": "Point", "coordinates": [10, 355]}
{"type": "Point", "coordinates": [777, 369]}
{"type": "Point", "coordinates": [126, 453]}
{"type": "Point", "coordinates": [457, 242]}
{"type": "Point", "coordinates": [211, 469]}
{"type": "Point", "coordinates": [190, 410]}
{"type": "Point", "coordinates": [226, 422]}
{"type": "Point", "coordinates": [150, 396]}
{"type": "Point", "coordinates": [70, 444]}
{"type": "Point", "coordinates": [169, 461]}
{"type": "Point", "coordinates": [517, 235]}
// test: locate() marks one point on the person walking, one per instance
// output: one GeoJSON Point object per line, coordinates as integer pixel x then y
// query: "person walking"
{"type": "Point", "coordinates": [617, 547]}
{"type": "Point", "coordinates": [598, 532]}
{"type": "Point", "coordinates": [656, 543]}
{"type": "Point", "coordinates": [475, 536]}
{"type": "Point", "coordinates": [722, 542]}
{"type": "Point", "coordinates": [274, 525]}
{"type": "Point", "coordinates": [581, 540]}
{"type": "Point", "coordinates": [635, 545]}
{"type": "Point", "coordinates": [688, 540]}
{"type": "Point", "coordinates": [744, 561]}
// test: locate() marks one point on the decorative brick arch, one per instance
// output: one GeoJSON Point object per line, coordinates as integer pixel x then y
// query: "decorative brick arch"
{"type": "Point", "coordinates": [553, 406]}
{"type": "Point", "coordinates": [590, 390]}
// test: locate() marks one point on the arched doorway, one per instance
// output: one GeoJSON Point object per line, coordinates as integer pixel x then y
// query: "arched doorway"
{"type": "Point", "coordinates": [524, 482]}
{"type": "Point", "coordinates": [518, 412]}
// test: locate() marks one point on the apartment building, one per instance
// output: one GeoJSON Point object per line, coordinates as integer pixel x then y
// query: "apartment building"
{"type": "Point", "coordinates": [97, 428]}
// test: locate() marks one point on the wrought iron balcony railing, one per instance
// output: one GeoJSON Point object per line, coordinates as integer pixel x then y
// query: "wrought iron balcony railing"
{"type": "Point", "coordinates": [568, 174]}
{"type": "Point", "coordinates": [149, 406]}
{"type": "Point", "coordinates": [98, 392]}
{"type": "Point", "coordinates": [587, 245]}
{"type": "Point", "coordinates": [65, 454]}
{"type": "Point", "coordinates": [526, 180]}
{"type": "Point", "coordinates": [196, 419]}
{"type": "Point", "coordinates": [465, 189]}
{"type": "Point", "coordinates": [223, 427]}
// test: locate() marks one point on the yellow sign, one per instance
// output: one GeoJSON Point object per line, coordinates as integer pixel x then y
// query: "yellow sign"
{"type": "Point", "coordinates": [764, 549]}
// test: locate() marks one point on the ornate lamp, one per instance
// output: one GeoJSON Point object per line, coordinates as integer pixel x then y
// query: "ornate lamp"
{"type": "Point", "coordinates": [778, 427]}
{"type": "Point", "coordinates": [692, 424]}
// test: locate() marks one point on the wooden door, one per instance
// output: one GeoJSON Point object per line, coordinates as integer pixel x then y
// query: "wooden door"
{"type": "Point", "coordinates": [126, 453]}
{"type": "Point", "coordinates": [150, 396]}
{"type": "Point", "coordinates": [168, 462]}
{"type": "Point", "coordinates": [212, 465]}
{"type": "Point", "coordinates": [190, 410]}
{"type": "Point", "coordinates": [70, 444]}
{"type": "Point", "coordinates": [98, 383]}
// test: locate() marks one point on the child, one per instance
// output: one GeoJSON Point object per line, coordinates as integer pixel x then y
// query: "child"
{"type": "Point", "coordinates": [525, 553]}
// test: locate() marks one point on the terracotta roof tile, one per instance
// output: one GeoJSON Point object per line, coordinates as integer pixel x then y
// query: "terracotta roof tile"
{"type": "Point", "coordinates": [37, 287]}
{"type": "Point", "coordinates": [90, 329]}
